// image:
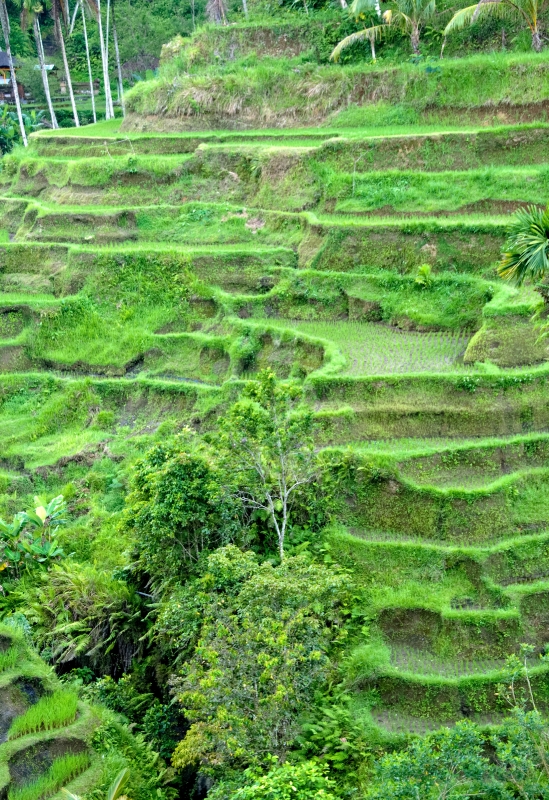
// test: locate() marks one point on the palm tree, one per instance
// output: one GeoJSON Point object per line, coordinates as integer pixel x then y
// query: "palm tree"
{"type": "Point", "coordinates": [92, 95]}
{"type": "Point", "coordinates": [109, 111]}
{"type": "Point", "coordinates": [60, 11]}
{"type": "Point", "coordinates": [526, 11]}
{"type": "Point", "coordinates": [5, 22]}
{"type": "Point", "coordinates": [118, 65]}
{"type": "Point", "coordinates": [30, 11]}
{"type": "Point", "coordinates": [526, 255]}
{"type": "Point", "coordinates": [409, 16]}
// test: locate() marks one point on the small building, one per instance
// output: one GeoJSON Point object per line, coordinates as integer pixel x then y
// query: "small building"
{"type": "Point", "coordinates": [5, 78]}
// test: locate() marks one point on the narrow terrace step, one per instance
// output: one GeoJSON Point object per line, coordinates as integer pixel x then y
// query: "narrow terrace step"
{"type": "Point", "coordinates": [487, 191]}
{"type": "Point", "coordinates": [49, 143]}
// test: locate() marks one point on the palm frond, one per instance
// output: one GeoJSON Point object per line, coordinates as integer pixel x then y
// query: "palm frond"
{"type": "Point", "coordinates": [358, 7]}
{"type": "Point", "coordinates": [526, 256]}
{"type": "Point", "coordinates": [375, 33]}
{"type": "Point", "coordinates": [118, 784]}
{"type": "Point", "coordinates": [93, 8]}
{"type": "Point", "coordinates": [490, 8]}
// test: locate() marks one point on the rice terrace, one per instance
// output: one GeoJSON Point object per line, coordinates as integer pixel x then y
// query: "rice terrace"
{"type": "Point", "coordinates": [274, 400]}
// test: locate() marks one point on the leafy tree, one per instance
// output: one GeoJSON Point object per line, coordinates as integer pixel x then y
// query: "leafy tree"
{"type": "Point", "coordinates": [262, 653]}
{"type": "Point", "coordinates": [529, 12]}
{"type": "Point", "coordinates": [304, 781]}
{"type": "Point", "coordinates": [267, 449]}
{"type": "Point", "coordinates": [526, 250]}
{"type": "Point", "coordinates": [408, 16]}
{"type": "Point", "coordinates": [176, 510]}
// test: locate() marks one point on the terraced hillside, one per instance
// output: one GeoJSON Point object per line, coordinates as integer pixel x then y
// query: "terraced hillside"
{"type": "Point", "coordinates": [45, 732]}
{"type": "Point", "coordinates": [144, 277]}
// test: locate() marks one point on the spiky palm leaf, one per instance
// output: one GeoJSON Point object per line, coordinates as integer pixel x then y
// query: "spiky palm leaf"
{"type": "Point", "coordinates": [375, 32]}
{"type": "Point", "coordinates": [466, 16]}
{"type": "Point", "coordinates": [359, 7]}
{"type": "Point", "coordinates": [526, 255]}
{"type": "Point", "coordinates": [407, 15]}
{"type": "Point", "coordinates": [118, 784]}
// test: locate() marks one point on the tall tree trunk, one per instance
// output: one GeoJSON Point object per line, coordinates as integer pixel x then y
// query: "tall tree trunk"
{"type": "Point", "coordinates": [245, 7]}
{"type": "Point", "coordinates": [107, 37]}
{"type": "Point", "coordinates": [73, 20]}
{"type": "Point", "coordinates": [43, 70]}
{"type": "Point", "coordinates": [106, 83]}
{"type": "Point", "coordinates": [118, 65]}
{"type": "Point", "coordinates": [4, 19]}
{"type": "Point", "coordinates": [66, 67]}
{"type": "Point", "coordinates": [414, 39]}
{"type": "Point", "coordinates": [89, 62]}
{"type": "Point", "coordinates": [373, 47]}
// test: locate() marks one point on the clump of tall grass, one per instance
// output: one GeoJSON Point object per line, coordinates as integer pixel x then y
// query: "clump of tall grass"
{"type": "Point", "coordinates": [9, 658]}
{"type": "Point", "coordinates": [50, 712]}
{"type": "Point", "coordinates": [61, 772]}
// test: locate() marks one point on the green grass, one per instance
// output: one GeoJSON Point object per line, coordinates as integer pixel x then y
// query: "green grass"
{"type": "Point", "coordinates": [61, 772]}
{"type": "Point", "coordinates": [9, 658]}
{"type": "Point", "coordinates": [49, 713]}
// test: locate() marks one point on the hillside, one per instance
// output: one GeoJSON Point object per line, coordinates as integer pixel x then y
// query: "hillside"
{"type": "Point", "coordinates": [150, 272]}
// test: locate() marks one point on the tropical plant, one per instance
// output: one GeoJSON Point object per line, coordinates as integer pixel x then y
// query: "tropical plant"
{"type": "Point", "coordinates": [526, 250]}
{"type": "Point", "coordinates": [529, 12]}
{"type": "Point", "coordinates": [424, 277]}
{"type": "Point", "coordinates": [31, 537]}
{"type": "Point", "coordinates": [79, 611]}
{"type": "Point", "coordinates": [266, 447]}
{"type": "Point", "coordinates": [5, 22]}
{"type": "Point", "coordinates": [30, 13]}
{"type": "Point", "coordinates": [408, 16]}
